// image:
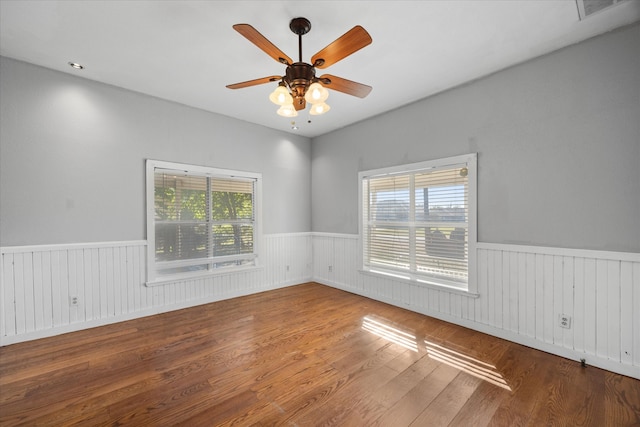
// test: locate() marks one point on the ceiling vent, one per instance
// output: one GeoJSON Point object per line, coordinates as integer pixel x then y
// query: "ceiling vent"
{"type": "Point", "coordinates": [589, 7]}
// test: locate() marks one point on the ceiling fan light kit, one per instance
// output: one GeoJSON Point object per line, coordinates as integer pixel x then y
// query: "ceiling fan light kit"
{"type": "Point", "coordinates": [300, 85]}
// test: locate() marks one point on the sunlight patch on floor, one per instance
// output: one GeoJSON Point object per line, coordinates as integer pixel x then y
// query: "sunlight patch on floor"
{"type": "Point", "coordinates": [383, 329]}
{"type": "Point", "coordinates": [468, 364]}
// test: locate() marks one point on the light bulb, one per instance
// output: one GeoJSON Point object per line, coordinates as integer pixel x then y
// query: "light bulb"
{"type": "Point", "coordinates": [316, 93]}
{"type": "Point", "coordinates": [317, 109]}
{"type": "Point", "coordinates": [287, 110]}
{"type": "Point", "coordinates": [281, 96]}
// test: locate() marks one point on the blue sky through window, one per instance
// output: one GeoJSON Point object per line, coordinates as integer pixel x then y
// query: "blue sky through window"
{"type": "Point", "coordinates": [439, 197]}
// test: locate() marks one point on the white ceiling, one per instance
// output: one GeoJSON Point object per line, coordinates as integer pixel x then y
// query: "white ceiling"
{"type": "Point", "coordinates": [187, 51]}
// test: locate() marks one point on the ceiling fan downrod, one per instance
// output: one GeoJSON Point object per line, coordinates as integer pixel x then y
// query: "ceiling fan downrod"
{"type": "Point", "coordinates": [299, 75]}
{"type": "Point", "coordinates": [300, 26]}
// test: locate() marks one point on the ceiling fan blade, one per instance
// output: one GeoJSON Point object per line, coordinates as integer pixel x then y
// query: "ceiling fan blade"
{"type": "Point", "coordinates": [344, 85]}
{"type": "Point", "coordinates": [261, 41]}
{"type": "Point", "coordinates": [350, 42]}
{"type": "Point", "coordinates": [254, 82]}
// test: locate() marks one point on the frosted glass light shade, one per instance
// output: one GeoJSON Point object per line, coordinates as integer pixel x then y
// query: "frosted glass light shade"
{"type": "Point", "coordinates": [317, 109]}
{"type": "Point", "coordinates": [287, 110]}
{"type": "Point", "coordinates": [316, 94]}
{"type": "Point", "coordinates": [281, 96]}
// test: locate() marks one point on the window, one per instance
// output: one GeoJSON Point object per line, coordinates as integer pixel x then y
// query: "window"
{"type": "Point", "coordinates": [199, 220]}
{"type": "Point", "coordinates": [418, 221]}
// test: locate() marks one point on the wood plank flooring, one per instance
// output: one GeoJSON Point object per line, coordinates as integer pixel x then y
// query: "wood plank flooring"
{"type": "Point", "coordinates": [306, 355]}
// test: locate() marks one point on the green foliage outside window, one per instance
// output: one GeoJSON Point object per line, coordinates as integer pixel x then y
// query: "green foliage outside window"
{"type": "Point", "coordinates": [184, 229]}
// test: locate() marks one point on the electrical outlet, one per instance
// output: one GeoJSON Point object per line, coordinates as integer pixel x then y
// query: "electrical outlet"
{"type": "Point", "coordinates": [564, 321]}
{"type": "Point", "coordinates": [73, 300]}
{"type": "Point", "coordinates": [287, 268]}
{"type": "Point", "coordinates": [330, 268]}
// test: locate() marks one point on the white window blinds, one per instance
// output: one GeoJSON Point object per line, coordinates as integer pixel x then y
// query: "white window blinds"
{"type": "Point", "coordinates": [415, 223]}
{"type": "Point", "coordinates": [201, 221]}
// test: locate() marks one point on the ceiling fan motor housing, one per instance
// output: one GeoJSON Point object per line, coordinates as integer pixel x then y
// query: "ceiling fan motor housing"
{"type": "Point", "coordinates": [298, 77]}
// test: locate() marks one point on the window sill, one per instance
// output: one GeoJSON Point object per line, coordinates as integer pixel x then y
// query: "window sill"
{"type": "Point", "coordinates": [421, 283]}
{"type": "Point", "coordinates": [200, 275]}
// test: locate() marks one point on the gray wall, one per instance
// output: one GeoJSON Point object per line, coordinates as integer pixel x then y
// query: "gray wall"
{"type": "Point", "coordinates": [558, 143]}
{"type": "Point", "coordinates": [558, 140]}
{"type": "Point", "coordinates": [72, 155]}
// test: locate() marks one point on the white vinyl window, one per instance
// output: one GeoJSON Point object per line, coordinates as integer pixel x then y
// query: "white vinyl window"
{"type": "Point", "coordinates": [200, 220]}
{"type": "Point", "coordinates": [418, 221]}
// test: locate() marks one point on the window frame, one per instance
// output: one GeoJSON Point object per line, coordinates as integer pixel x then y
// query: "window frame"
{"type": "Point", "coordinates": [471, 163]}
{"type": "Point", "coordinates": [151, 166]}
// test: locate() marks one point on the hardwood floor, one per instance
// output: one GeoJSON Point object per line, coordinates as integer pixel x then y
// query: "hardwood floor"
{"type": "Point", "coordinates": [306, 355]}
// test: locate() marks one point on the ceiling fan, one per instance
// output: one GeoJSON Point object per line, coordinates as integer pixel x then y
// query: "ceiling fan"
{"type": "Point", "coordinates": [300, 85]}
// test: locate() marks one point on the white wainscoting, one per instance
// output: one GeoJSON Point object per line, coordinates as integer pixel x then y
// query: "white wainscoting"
{"type": "Point", "coordinates": [108, 279]}
{"type": "Point", "coordinates": [523, 290]}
